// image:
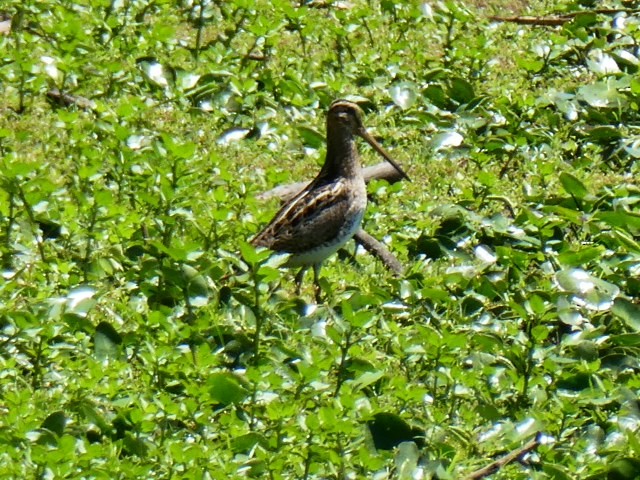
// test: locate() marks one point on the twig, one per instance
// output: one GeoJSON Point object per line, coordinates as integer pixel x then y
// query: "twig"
{"type": "Point", "coordinates": [557, 20]}
{"type": "Point", "coordinates": [67, 100]}
{"type": "Point", "coordinates": [381, 171]}
{"type": "Point", "coordinates": [508, 458]}
{"type": "Point", "coordinates": [378, 250]}
{"type": "Point", "coordinates": [544, 21]}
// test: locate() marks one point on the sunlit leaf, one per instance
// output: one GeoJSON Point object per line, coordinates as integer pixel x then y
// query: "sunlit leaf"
{"type": "Point", "coordinates": [403, 94]}
{"type": "Point", "coordinates": [406, 460]}
{"type": "Point", "coordinates": [589, 291]}
{"type": "Point", "coordinates": [232, 134]}
{"type": "Point", "coordinates": [156, 73]}
{"type": "Point", "coordinates": [625, 57]}
{"type": "Point", "coordinates": [602, 94]}
{"type": "Point", "coordinates": [602, 63]}
{"type": "Point", "coordinates": [447, 140]}
{"type": "Point", "coordinates": [366, 379]}
{"type": "Point", "coordinates": [80, 300]}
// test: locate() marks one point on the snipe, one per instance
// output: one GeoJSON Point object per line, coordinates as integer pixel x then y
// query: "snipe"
{"type": "Point", "coordinates": [327, 213]}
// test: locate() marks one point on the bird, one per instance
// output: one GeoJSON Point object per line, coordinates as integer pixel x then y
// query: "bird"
{"type": "Point", "coordinates": [328, 212]}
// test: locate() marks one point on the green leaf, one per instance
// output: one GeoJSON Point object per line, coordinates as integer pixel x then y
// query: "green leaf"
{"type": "Point", "coordinates": [434, 74]}
{"type": "Point", "coordinates": [626, 240]}
{"type": "Point", "coordinates": [135, 446]}
{"type": "Point", "coordinates": [196, 283]}
{"type": "Point", "coordinates": [389, 430]}
{"type": "Point", "coordinates": [366, 379]}
{"type": "Point", "coordinates": [245, 443]}
{"type": "Point", "coordinates": [602, 94]}
{"type": "Point", "coordinates": [19, 169]}
{"type": "Point", "coordinates": [55, 422]}
{"type": "Point", "coordinates": [181, 150]}
{"type": "Point", "coordinates": [580, 257]}
{"type": "Point", "coordinates": [626, 339]}
{"type": "Point", "coordinates": [574, 216]}
{"type": "Point", "coordinates": [106, 341]}
{"type": "Point", "coordinates": [625, 469]}
{"type": "Point", "coordinates": [530, 64]}
{"type": "Point", "coordinates": [603, 134]}
{"type": "Point", "coordinates": [627, 312]}
{"type": "Point", "coordinates": [177, 254]}
{"type": "Point", "coordinates": [447, 140]}
{"type": "Point", "coordinates": [156, 74]}
{"type": "Point", "coordinates": [575, 382]}
{"type": "Point", "coordinates": [627, 221]}
{"type": "Point", "coordinates": [556, 472]}
{"type": "Point", "coordinates": [585, 19]}
{"type": "Point", "coordinates": [92, 415]}
{"type": "Point", "coordinates": [226, 388]}
{"type": "Point", "coordinates": [437, 96]}
{"type": "Point", "coordinates": [311, 137]}
{"type": "Point", "coordinates": [461, 90]}
{"type": "Point", "coordinates": [573, 186]}
{"type": "Point", "coordinates": [251, 255]}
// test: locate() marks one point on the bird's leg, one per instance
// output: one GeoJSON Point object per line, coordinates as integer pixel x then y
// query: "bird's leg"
{"type": "Point", "coordinates": [316, 281]}
{"type": "Point", "coordinates": [299, 278]}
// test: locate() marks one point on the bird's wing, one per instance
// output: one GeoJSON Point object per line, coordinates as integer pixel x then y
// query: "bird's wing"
{"type": "Point", "coordinates": [311, 218]}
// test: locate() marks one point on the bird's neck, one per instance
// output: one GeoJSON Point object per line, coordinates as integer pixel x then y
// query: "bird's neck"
{"type": "Point", "coordinates": [342, 154]}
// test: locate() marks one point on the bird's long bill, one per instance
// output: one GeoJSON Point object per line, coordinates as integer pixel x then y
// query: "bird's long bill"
{"type": "Point", "coordinates": [378, 148]}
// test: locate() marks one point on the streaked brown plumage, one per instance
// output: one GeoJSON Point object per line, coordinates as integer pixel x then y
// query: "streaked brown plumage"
{"type": "Point", "coordinates": [327, 213]}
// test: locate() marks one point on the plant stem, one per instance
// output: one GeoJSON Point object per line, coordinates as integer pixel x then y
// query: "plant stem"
{"type": "Point", "coordinates": [344, 351]}
{"type": "Point", "coordinates": [258, 314]}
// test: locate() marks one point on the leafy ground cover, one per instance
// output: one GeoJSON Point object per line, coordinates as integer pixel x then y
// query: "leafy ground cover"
{"type": "Point", "coordinates": [142, 337]}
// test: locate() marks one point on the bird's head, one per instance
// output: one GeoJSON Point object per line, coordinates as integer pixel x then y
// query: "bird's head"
{"type": "Point", "coordinates": [344, 114]}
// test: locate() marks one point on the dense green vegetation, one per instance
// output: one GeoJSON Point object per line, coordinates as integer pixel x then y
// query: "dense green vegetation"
{"type": "Point", "coordinates": [142, 337]}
